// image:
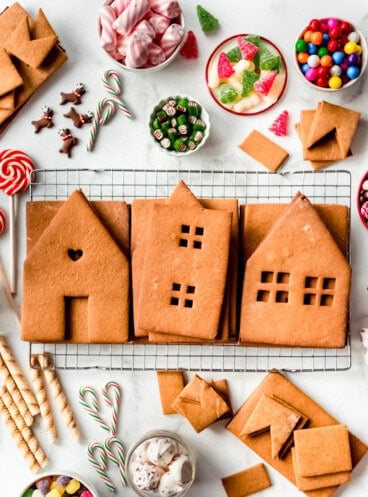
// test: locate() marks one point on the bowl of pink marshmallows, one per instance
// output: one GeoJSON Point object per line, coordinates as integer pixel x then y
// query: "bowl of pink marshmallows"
{"type": "Point", "coordinates": [141, 35]}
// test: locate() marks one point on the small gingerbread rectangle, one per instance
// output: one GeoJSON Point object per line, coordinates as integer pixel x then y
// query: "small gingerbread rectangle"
{"type": "Point", "coordinates": [246, 482]}
{"type": "Point", "coordinates": [264, 150]}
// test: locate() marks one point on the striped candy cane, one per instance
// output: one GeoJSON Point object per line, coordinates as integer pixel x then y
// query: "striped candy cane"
{"type": "Point", "coordinates": [91, 406]}
{"type": "Point", "coordinates": [112, 83]}
{"type": "Point", "coordinates": [115, 451]}
{"type": "Point", "coordinates": [104, 111]}
{"type": "Point", "coordinates": [112, 395]}
{"type": "Point", "coordinates": [97, 457]}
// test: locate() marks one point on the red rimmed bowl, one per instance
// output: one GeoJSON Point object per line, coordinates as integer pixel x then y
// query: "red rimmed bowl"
{"type": "Point", "coordinates": [362, 200]}
{"type": "Point", "coordinates": [261, 86]}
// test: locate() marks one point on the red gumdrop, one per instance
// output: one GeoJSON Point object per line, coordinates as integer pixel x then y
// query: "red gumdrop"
{"type": "Point", "coordinates": [189, 49]}
{"type": "Point", "coordinates": [314, 25]}
{"type": "Point", "coordinates": [224, 67]}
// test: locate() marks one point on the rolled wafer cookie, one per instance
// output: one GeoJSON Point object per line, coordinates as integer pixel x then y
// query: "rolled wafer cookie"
{"type": "Point", "coordinates": [60, 397]}
{"type": "Point", "coordinates": [18, 377]}
{"type": "Point", "coordinates": [42, 399]}
{"type": "Point", "coordinates": [22, 445]}
{"type": "Point", "coordinates": [26, 432]}
{"type": "Point", "coordinates": [15, 393]}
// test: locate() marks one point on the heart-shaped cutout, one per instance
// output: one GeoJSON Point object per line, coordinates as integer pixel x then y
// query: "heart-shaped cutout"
{"type": "Point", "coordinates": [75, 255]}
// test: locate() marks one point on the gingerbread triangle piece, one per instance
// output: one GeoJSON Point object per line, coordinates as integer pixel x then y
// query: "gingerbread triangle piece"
{"type": "Point", "coordinates": [297, 283]}
{"type": "Point", "coordinates": [182, 196]}
{"type": "Point", "coordinates": [10, 79]}
{"type": "Point", "coordinates": [75, 258]}
{"type": "Point", "coordinates": [271, 415]}
{"type": "Point", "coordinates": [333, 119]}
{"type": "Point", "coordinates": [40, 27]}
{"type": "Point", "coordinates": [32, 52]}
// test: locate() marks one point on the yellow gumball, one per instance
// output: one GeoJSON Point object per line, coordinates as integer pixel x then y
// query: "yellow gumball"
{"type": "Point", "coordinates": [57, 487]}
{"type": "Point", "coordinates": [350, 47]}
{"type": "Point", "coordinates": [53, 493]}
{"type": "Point", "coordinates": [335, 83]}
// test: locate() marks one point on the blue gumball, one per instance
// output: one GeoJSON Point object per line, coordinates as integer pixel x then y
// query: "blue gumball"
{"type": "Point", "coordinates": [312, 48]}
{"type": "Point", "coordinates": [326, 38]}
{"type": "Point", "coordinates": [305, 68]}
{"type": "Point", "coordinates": [352, 72]}
{"type": "Point", "coordinates": [338, 57]}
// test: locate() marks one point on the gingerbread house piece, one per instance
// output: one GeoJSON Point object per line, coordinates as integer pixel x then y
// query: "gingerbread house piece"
{"type": "Point", "coordinates": [296, 284]}
{"type": "Point", "coordinates": [75, 259]}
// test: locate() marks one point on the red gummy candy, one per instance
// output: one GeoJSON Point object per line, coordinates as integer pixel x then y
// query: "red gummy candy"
{"type": "Point", "coordinates": [247, 49]}
{"type": "Point", "coordinates": [279, 125]}
{"type": "Point", "coordinates": [263, 85]}
{"type": "Point", "coordinates": [224, 67]}
{"type": "Point", "coordinates": [189, 50]}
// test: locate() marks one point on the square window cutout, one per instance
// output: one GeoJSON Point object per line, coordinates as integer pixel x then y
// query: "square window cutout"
{"type": "Point", "coordinates": [197, 244]}
{"type": "Point", "coordinates": [282, 297]}
{"type": "Point", "coordinates": [176, 287]}
{"type": "Point", "coordinates": [263, 296]}
{"type": "Point", "coordinates": [283, 278]}
{"type": "Point", "coordinates": [309, 299]}
{"type": "Point", "coordinates": [329, 283]}
{"type": "Point", "coordinates": [188, 303]}
{"type": "Point", "coordinates": [326, 300]}
{"type": "Point", "coordinates": [183, 242]}
{"type": "Point", "coordinates": [310, 282]}
{"type": "Point", "coordinates": [174, 301]}
{"type": "Point", "coordinates": [266, 276]}
{"type": "Point", "coordinates": [185, 228]}
{"type": "Point", "coordinates": [190, 289]}
{"type": "Point", "coordinates": [199, 230]}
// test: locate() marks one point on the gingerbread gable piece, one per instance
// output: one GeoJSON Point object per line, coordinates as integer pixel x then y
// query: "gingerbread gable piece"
{"type": "Point", "coordinates": [75, 258]}
{"type": "Point", "coordinates": [297, 283]}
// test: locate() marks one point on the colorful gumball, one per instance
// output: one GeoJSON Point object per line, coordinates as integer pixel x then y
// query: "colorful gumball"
{"type": "Point", "coordinates": [312, 48]}
{"type": "Point", "coordinates": [326, 61]}
{"type": "Point", "coordinates": [307, 35]}
{"type": "Point", "coordinates": [333, 45]}
{"type": "Point", "coordinates": [322, 51]}
{"type": "Point", "coordinates": [302, 57]}
{"type": "Point", "coordinates": [313, 61]}
{"type": "Point", "coordinates": [317, 38]}
{"type": "Point", "coordinates": [301, 46]}
{"type": "Point", "coordinates": [345, 27]}
{"type": "Point", "coordinates": [353, 36]}
{"type": "Point", "coordinates": [352, 72]}
{"type": "Point", "coordinates": [311, 74]}
{"type": "Point", "coordinates": [332, 23]}
{"type": "Point", "coordinates": [350, 47]}
{"type": "Point", "coordinates": [338, 57]}
{"type": "Point", "coordinates": [335, 70]}
{"type": "Point", "coordinates": [314, 25]}
{"type": "Point", "coordinates": [335, 82]}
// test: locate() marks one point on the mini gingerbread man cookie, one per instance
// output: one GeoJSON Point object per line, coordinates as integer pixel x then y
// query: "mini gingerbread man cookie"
{"type": "Point", "coordinates": [45, 121]}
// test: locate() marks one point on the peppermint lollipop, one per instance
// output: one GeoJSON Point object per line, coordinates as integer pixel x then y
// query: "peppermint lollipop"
{"type": "Point", "coordinates": [15, 175]}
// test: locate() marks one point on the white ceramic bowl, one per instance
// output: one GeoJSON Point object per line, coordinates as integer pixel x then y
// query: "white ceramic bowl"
{"type": "Point", "coordinates": [136, 455]}
{"type": "Point", "coordinates": [203, 116]}
{"type": "Point", "coordinates": [149, 69]}
{"type": "Point", "coordinates": [363, 63]}
{"type": "Point", "coordinates": [88, 486]}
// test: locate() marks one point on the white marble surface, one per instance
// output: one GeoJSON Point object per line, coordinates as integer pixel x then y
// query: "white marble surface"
{"type": "Point", "coordinates": [126, 144]}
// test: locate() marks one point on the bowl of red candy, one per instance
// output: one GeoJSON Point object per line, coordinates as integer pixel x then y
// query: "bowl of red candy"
{"type": "Point", "coordinates": [141, 35]}
{"type": "Point", "coordinates": [330, 54]}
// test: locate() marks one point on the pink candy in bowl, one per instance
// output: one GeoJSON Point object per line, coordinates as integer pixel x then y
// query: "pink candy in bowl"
{"type": "Point", "coordinates": [141, 34]}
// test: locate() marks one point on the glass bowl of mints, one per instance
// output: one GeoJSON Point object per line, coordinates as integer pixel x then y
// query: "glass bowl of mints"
{"type": "Point", "coordinates": [179, 125]}
{"type": "Point", "coordinates": [58, 484]}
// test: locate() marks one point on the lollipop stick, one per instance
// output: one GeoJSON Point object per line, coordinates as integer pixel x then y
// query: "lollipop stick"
{"type": "Point", "coordinates": [13, 245]}
{"type": "Point", "coordinates": [6, 287]}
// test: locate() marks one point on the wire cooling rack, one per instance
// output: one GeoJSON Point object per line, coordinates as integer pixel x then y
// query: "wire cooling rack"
{"type": "Point", "coordinates": [326, 186]}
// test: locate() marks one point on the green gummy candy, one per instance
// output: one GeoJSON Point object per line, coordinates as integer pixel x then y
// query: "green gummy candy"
{"type": "Point", "coordinates": [248, 80]}
{"type": "Point", "coordinates": [268, 61]}
{"type": "Point", "coordinates": [255, 39]}
{"type": "Point", "coordinates": [234, 55]}
{"type": "Point", "coordinates": [28, 492]}
{"type": "Point", "coordinates": [227, 93]}
{"type": "Point", "coordinates": [207, 21]}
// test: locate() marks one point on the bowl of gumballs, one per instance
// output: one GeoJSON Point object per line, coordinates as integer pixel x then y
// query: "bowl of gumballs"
{"type": "Point", "coordinates": [362, 200]}
{"type": "Point", "coordinates": [330, 54]}
{"type": "Point", "coordinates": [179, 125]}
{"type": "Point", "coordinates": [141, 35]}
{"type": "Point", "coordinates": [161, 464]}
{"type": "Point", "coordinates": [59, 484]}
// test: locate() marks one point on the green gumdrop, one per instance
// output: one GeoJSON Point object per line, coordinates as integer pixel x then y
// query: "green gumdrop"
{"type": "Point", "coordinates": [255, 39]}
{"type": "Point", "coordinates": [227, 93]}
{"type": "Point", "coordinates": [268, 61]}
{"type": "Point", "coordinates": [28, 492]}
{"type": "Point", "coordinates": [234, 55]}
{"type": "Point", "coordinates": [248, 80]}
{"type": "Point", "coordinates": [207, 21]}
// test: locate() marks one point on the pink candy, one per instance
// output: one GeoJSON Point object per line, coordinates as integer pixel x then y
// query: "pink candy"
{"type": "Point", "coordinates": [134, 12]}
{"type": "Point", "coordinates": [160, 23]}
{"type": "Point", "coordinates": [108, 34]}
{"type": "Point", "coordinates": [137, 50]}
{"type": "Point", "coordinates": [168, 8]}
{"type": "Point", "coordinates": [171, 38]}
{"type": "Point", "coordinates": [140, 33]}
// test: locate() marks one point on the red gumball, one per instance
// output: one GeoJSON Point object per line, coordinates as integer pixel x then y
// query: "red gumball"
{"type": "Point", "coordinates": [322, 82]}
{"type": "Point", "coordinates": [314, 25]}
{"type": "Point", "coordinates": [333, 45]}
{"type": "Point", "coordinates": [345, 27]}
{"type": "Point", "coordinates": [343, 40]}
{"type": "Point", "coordinates": [335, 33]}
{"type": "Point", "coordinates": [323, 72]}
